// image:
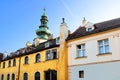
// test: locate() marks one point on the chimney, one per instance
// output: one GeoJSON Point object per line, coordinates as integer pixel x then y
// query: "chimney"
{"type": "Point", "coordinates": [84, 22]}
{"type": "Point", "coordinates": [1, 56]}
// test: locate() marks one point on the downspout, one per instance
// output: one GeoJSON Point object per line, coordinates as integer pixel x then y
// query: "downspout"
{"type": "Point", "coordinates": [19, 68]}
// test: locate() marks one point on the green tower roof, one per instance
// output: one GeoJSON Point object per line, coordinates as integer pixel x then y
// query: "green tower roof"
{"type": "Point", "coordinates": [43, 32]}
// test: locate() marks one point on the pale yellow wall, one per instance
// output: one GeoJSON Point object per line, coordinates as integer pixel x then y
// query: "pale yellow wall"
{"type": "Point", "coordinates": [32, 67]}
{"type": "Point", "coordinates": [41, 66]}
{"type": "Point", "coordinates": [9, 70]}
{"type": "Point", "coordinates": [91, 42]}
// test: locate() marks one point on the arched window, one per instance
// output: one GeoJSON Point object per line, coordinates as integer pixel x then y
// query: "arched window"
{"type": "Point", "coordinates": [37, 76]}
{"type": "Point", "coordinates": [37, 58]}
{"type": "Point", "coordinates": [14, 62]}
{"type": "Point", "coordinates": [2, 77]}
{"type": "Point", "coordinates": [9, 63]}
{"type": "Point", "coordinates": [26, 60]}
{"type": "Point", "coordinates": [25, 76]}
{"type": "Point", "coordinates": [13, 76]}
{"type": "Point", "coordinates": [3, 64]}
{"type": "Point", "coordinates": [8, 77]}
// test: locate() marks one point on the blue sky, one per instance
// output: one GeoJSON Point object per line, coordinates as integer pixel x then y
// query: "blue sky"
{"type": "Point", "coordinates": [20, 18]}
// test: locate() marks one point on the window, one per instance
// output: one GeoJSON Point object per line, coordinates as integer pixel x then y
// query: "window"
{"type": "Point", "coordinates": [8, 77]}
{"type": "Point", "coordinates": [51, 75]}
{"type": "Point", "coordinates": [58, 40]}
{"type": "Point", "coordinates": [37, 58]}
{"type": "Point", "coordinates": [25, 76]}
{"type": "Point", "coordinates": [48, 55]}
{"type": "Point", "coordinates": [9, 63]}
{"type": "Point", "coordinates": [103, 46]}
{"type": "Point", "coordinates": [81, 74]}
{"type": "Point", "coordinates": [54, 53]}
{"type": "Point", "coordinates": [2, 77]}
{"type": "Point", "coordinates": [26, 60]}
{"type": "Point", "coordinates": [46, 44]}
{"type": "Point", "coordinates": [37, 76]}
{"type": "Point", "coordinates": [3, 64]}
{"type": "Point", "coordinates": [90, 29]}
{"type": "Point", "coordinates": [14, 62]}
{"type": "Point", "coordinates": [81, 50]}
{"type": "Point", "coordinates": [13, 76]}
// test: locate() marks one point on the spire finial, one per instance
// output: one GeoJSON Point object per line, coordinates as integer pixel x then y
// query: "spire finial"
{"type": "Point", "coordinates": [44, 10]}
{"type": "Point", "coordinates": [63, 19]}
{"type": "Point", "coordinates": [84, 18]}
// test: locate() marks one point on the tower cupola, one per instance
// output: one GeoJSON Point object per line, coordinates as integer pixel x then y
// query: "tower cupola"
{"type": "Point", "coordinates": [43, 32]}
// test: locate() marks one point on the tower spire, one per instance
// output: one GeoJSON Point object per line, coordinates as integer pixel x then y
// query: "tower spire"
{"type": "Point", "coordinates": [43, 31]}
{"type": "Point", "coordinates": [44, 13]}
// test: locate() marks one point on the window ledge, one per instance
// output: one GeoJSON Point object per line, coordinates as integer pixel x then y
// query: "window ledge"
{"type": "Point", "coordinates": [51, 59]}
{"type": "Point", "coordinates": [26, 64]}
{"type": "Point", "coordinates": [81, 57]}
{"type": "Point", "coordinates": [108, 53]}
{"type": "Point", "coordinates": [37, 62]}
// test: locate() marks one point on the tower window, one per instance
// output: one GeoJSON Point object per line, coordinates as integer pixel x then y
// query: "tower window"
{"type": "Point", "coordinates": [81, 74]}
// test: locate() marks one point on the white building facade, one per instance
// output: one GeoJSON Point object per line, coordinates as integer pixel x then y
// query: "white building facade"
{"type": "Point", "coordinates": [94, 53]}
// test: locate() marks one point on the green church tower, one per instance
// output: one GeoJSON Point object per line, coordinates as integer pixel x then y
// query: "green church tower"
{"type": "Point", "coordinates": [43, 31]}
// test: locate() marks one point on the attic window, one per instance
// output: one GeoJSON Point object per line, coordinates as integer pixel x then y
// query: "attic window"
{"type": "Point", "coordinates": [46, 44]}
{"type": "Point", "coordinates": [90, 28]}
{"type": "Point", "coordinates": [58, 40]}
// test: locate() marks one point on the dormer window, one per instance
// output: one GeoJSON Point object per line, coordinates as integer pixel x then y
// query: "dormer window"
{"type": "Point", "coordinates": [46, 44]}
{"type": "Point", "coordinates": [58, 40]}
{"type": "Point", "coordinates": [89, 29]}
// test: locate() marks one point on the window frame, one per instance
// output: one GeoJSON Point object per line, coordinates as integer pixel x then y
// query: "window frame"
{"type": "Point", "coordinates": [13, 76]}
{"type": "Point", "coordinates": [36, 74]}
{"type": "Point", "coordinates": [54, 55]}
{"type": "Point", "coordinates": [14, 62]}
{"type": "Point", "coordinates": [9, 63]}
{"type": "Point", "coordinates": [26, 60]}
{"type": "Point", "coordinates": [103, 46]}
{"type": "Point", "coordinates": [48, 57]}
{"type": "Point", "coordinates": [81, 54]}
{"type": "Point", "coordinates": [8, 76]}
{"type": "Point", "coordinates": [47, 44]}
{"type": "Point", "coordinates": [25, 75]}
{"type": "Point", "coordinates": [38, 55]}
{"type": "Point", "coordinates": [3, 65]}
{"type": "Point", "coordinates": [2, 77]}
{"type": "Point", "coordinates": [81, 74]}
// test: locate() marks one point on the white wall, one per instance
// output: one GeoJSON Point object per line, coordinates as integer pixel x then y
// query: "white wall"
{"type": "Point", "coordinates": [103, 71]}
{"type": "Point", "coordinates": [91, 42]}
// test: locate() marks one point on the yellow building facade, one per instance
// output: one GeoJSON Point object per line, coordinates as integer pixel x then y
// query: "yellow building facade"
{"type": "Point", "coordinates": [44, 59]}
